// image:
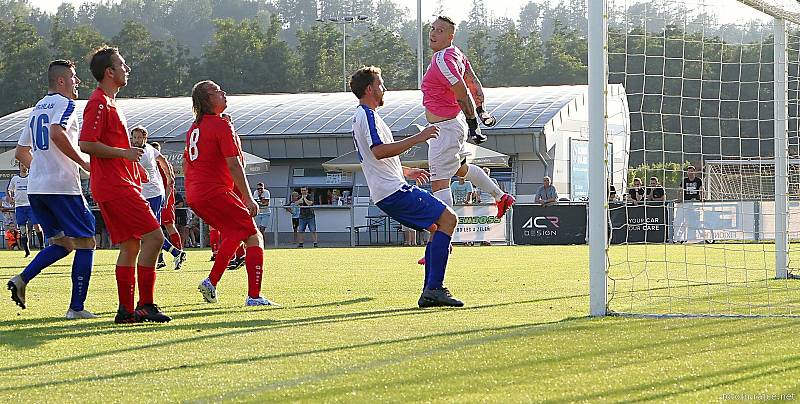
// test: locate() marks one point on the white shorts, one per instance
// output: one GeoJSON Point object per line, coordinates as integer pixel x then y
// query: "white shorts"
{"type": "Point", "coordinates": [446, 152]}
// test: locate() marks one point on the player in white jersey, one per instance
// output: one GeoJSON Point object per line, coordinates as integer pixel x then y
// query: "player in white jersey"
{"type": "Point", "coordinates": [23, 214]}
{"type": "Point", "coordinates": [453, 99]}
{"type": "Point", "coordinates": [386, 178]}
{"type": "Point", "coordinates": [154, 189]}
{"type": "Point", "coordinates": [49, 146]}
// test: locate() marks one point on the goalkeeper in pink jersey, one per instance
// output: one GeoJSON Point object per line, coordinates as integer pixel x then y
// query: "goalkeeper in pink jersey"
{"type": "Point", "coordinates": [453, 100]}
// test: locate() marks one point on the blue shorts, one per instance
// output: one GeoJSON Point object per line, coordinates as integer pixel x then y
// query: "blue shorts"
{"type": "Point", "coordinates": [63, 214]}
{"type": "Point", "coordinates": [413, 207]}
{"type": "Point", "coordinates": [155, 205]}
{"type": "Point", "coordinates": [24, 215]}
{"type": "Point", "coordinates": [309, 223]}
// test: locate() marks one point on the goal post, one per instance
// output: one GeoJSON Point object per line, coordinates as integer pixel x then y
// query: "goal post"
{"type": "Point", "coordinates": [687, 115]}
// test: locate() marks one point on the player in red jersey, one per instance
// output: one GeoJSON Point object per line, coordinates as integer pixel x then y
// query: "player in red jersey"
{"type": "Point", "coordinates": [218, 192]}
{"type": "Point", "coordinates": [115, 182]}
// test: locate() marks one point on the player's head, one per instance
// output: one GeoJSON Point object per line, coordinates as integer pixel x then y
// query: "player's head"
{"type": "Point", "coordinates": [62, 79]}
{"type": "Point", "coordinates": [443, 30]}
{"type": "Point", "coordinates": [23, 170]}
{"type": "Point", "coordinates": [156, 145]}
{"type": "Point", "coordinates": [108, 66]}
{"type": "Point", "coordinates": [690, 170]}
{"type": "Point", "coordinates": [139, 136]}
{"type": "Point", "coordinates": [367, 84]}
{"type": "Point", "coordinates": [487, 170]}
{"type": "Point", "coordinates": [207, 99]}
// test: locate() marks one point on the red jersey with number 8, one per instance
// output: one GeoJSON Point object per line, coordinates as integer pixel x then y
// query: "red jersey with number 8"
{"type": "Point", "coordinates": [208, 144]}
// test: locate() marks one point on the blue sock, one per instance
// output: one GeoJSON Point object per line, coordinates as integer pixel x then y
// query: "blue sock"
{"type": "Point", "coordinates": [81, 272]}
{"type": "Point", "coordinates": [427, 265]}
{"type": "Point", "coordinates": [440, 251]}
{"type": "Point", "coordinates": [168, 247]}
{"type": "Point", "coordinates": [42, 260]}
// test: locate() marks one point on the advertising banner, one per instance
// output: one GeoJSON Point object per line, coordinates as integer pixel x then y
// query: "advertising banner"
{"type": "Point", "coordinates": [479, 223]}
{"type": "Point", "coordinates": [555, 224]}
{"type": "Point", "coordinates": [637, 224]}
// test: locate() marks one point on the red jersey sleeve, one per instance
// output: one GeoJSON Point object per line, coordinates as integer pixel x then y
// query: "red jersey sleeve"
{"type": "Point", "coordinates": [94, 121]}
{"type": "Point", "coordinates": [228, 145]}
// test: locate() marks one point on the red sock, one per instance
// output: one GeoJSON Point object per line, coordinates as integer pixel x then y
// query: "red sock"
{"type": "Point", "coordinates": [240, 251]}
{"type": "Point", "coordinates": [213, 240]}
{"type": "Point", "coordinates": [126, 286]}
{"type": "Point", "coordinates": [175, 239]}
{"type": "Point", "coordinates": [224, 254]}
{"type": "Point", "coordinates": [147, 284]}
{"type": "Point", "coordinates": [254, 260]}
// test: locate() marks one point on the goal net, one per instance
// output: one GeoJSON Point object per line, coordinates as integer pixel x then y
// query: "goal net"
{"type": "Point", "coordinates": [712, 84]}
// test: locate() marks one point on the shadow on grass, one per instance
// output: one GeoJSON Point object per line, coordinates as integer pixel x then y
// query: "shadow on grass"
{"type": "Point", "coordinates": [256, 358]}
{"type": "Point", "coordinates": [33, 337]}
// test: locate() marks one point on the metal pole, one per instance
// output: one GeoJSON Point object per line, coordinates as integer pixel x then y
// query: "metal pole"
{"type": "Point", "coordinates": [420, 53]}
{"type": "Point", "coordinates": [781, 151]}
{"type": "Point", "coordinates": [344, 55]}
{"type": "Point", "coordinates": [598, 75]}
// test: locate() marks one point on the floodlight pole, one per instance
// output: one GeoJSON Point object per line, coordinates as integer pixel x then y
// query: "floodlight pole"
{"type": "Point", "coordinates": [781, 150]}
{"type": "Point", "coordinates": [598, 199]}
{"type": "Point", "coordinates": [343, 22]}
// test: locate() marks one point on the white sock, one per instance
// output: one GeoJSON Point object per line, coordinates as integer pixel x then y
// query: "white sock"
{"type": "Point", "coordinates": [445, 195]}
{"type": "Point", "coordinates": [480, 179]}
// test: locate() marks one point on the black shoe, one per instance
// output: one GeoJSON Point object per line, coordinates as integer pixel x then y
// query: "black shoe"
{"type": "Point", "coordinates": [125, 317]}
{"type": "Point", "coordinates": [477, 138]}
{"type": "Point", "coordinates": [437, 298]}
{"type": "Point", "coordinates": [235, 263]}
{"type": "Point", "coordinates": [213, 257]}
{"type": "Point", "coordinates": [161, 263]}
{"type": "Point", "coordinates": [17, 288]}
{"type": "Point", "coordinates": [150, 312]}
{"type": "Point", "coordinates": [300, 245]}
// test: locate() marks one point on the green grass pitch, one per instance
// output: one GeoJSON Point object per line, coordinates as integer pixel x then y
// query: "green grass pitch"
{"type": "Point", "coordinates": [350, 331]}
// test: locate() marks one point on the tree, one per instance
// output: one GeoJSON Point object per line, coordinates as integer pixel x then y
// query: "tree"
{"type": "Point", "coordinates": [75, 44]}
{"type": "Point", "coordinates": [567, 54]}
{"type": "Point", "coordinates": [23, 64]}
{"type": "Point", "coordinates": [158, 69]}
{"type": "Point", "coordinates": [388, 51]}
{"type": "Point", "coordinates": [320, 54]}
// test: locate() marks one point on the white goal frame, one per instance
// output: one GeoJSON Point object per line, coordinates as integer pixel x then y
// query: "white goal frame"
{"type": "Point", "coordinates": [598, 205]}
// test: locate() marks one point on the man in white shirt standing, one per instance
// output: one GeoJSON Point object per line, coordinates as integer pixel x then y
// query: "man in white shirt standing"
{"type": "Point", "coordinates": [153, 189]}
{"type": "Point", "coordinates": [49, 147]}
{"type": "Point", "coordinates": [18, 190]}
{"type": "Point", "coordinates": [386, 178]}
{"type": "Point", "coordinates": [263, 218]}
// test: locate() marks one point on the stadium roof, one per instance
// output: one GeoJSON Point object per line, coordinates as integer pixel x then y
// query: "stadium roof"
{"type": "Point", "coordinates": [518, 109]}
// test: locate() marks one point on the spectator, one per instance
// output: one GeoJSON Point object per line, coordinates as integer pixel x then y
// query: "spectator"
{"type": "Point", "coordinates": [612, 193]}
{"type": "Point", "coordinates": [182, 218]}
{"type": "Point", "coordinates": [655, 192]}
{"type": "Point", "coordinates": [409, 236]}
{"type": "Point", "coordinates": [307, 219]}
{"type": "Point", "coordinates": [462, 191]}
{"type": "Point", "coordinates": [194, 230]}
{"type": "Point", "coordinates": [12, 237]}
{"type": "Point", "coordinates": [264, 216]}
{"type": "Point", "coordinates": [692, 186]}
{"type": "Point", "coordinates": [546, 195]}
{"type": "Point", "coordinates": [636, 192]}
{"type": "Point", "coordinates": [294, 209]}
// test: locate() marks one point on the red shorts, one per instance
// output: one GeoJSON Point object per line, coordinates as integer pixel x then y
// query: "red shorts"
{"type": "Point", "coordinates": [168, 212]}
{"type": "Point", "coordinates": [226, 213]}
{"type": "Point", "coordinates": [128, 217]}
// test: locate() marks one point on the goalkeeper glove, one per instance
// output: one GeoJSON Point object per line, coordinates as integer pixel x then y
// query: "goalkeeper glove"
{"type": "Point", "coordinates": [475, 134]}
{"type": "Point", "coordinates": [487, 118]}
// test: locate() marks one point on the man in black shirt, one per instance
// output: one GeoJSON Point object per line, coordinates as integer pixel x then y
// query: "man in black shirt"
{"type": "Point", "coordinates": [655, 192]}
{"type": "Point", "coordinates": [692, 186]}
{"type": "Point", "coordinates": [636, 192]}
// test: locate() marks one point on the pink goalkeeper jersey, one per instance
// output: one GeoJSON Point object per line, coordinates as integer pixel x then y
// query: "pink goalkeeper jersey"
{"type": "Point", "coordinates": [446, 69]}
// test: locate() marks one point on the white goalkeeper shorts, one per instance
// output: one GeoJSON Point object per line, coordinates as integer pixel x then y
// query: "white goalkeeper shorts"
{"type": "Point", "coordinates": [446, 152]}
